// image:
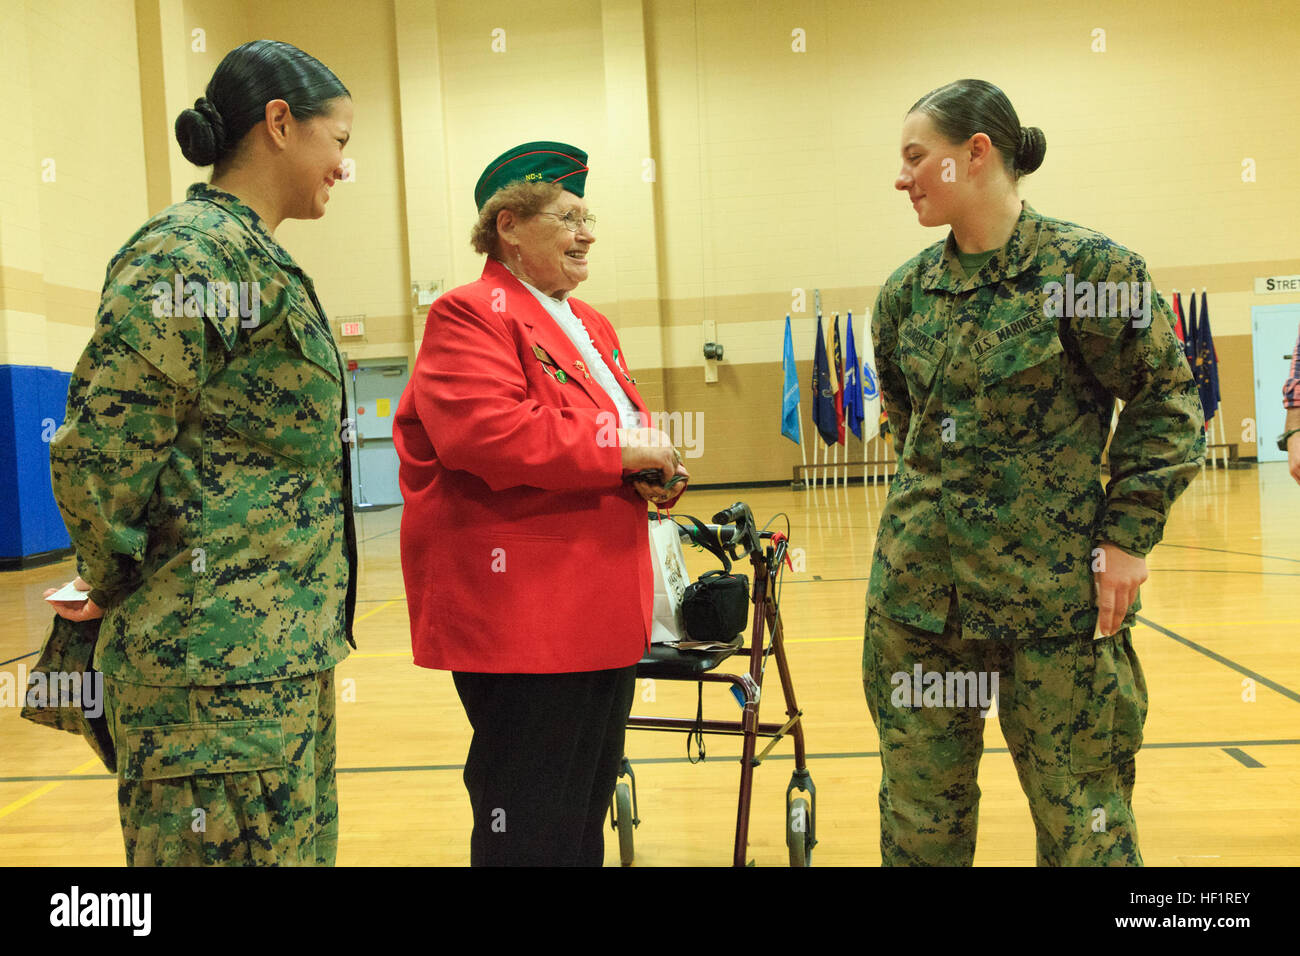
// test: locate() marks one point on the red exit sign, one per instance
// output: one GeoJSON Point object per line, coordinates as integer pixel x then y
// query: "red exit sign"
{"type": "Point", "coordinates": [349, 329]}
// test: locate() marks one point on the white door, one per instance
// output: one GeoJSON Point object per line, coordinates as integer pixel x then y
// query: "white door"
{"type": "Point", "coordinates": [1273, 338]}
{"type": "Point", "coordinates": [374, 387]}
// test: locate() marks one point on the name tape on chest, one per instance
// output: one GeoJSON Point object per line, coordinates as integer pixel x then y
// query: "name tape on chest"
{"type": "Point", "coordinates": [919, 340]}
{"type": "Point", "coordinates": [1009, 331]}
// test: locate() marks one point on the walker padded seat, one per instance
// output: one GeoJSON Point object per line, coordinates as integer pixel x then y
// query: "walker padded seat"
{"type": "Point", "coordinates": [673, 664]}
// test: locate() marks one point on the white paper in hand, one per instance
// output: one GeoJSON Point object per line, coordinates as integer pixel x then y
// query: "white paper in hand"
{"type": "Point", "coordinates": [68, 593]}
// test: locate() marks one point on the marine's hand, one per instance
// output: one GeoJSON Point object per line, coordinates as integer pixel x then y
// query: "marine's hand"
{"type": "Point", "coordinates": [1117, 585]}
{"type": "Point", "coordinates": [86, 610]}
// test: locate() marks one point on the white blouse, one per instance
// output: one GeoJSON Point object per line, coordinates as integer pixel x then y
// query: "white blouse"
{"type": "Point", "coordinates": [562, 312]}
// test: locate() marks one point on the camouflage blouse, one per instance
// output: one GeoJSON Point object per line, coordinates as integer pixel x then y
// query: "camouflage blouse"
{"type": "Point", "coordinates": [1001, 387]}
{"type": "Point", "coordinates": [201, 468]}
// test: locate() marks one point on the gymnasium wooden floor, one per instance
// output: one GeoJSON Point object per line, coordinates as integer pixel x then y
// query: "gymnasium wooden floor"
{"type": "Point", "coordinates": [1216, 783]}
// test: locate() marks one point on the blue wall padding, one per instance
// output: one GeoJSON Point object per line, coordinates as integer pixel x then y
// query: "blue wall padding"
{"type": "Point", "coordinates": [32, 404]}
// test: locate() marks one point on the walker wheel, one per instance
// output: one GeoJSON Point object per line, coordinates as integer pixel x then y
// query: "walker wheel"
{"type": "Point", "coordinates": [623, 822]}
{"type": "Point", "coordinates": [797, 823]}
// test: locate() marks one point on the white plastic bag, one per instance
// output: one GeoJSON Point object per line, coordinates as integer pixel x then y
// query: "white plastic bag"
{"type": "Point", "coordinates": [670, 582]}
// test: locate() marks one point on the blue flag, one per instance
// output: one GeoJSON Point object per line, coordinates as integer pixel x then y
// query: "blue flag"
{"type": "Point", "coordinates": [790, 390]}
{"type": "Point", "coordinates": [853, 413]}
{"type": "Point", "coordinates": [1206, 368]}
{"type": "Point", "coordinates": [1189, 347]}
{"type": "Point", "coordinates": [823, 411]}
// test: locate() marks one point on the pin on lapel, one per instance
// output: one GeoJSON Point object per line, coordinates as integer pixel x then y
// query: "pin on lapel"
{"type": "Point", "coordinates": [582, 368]}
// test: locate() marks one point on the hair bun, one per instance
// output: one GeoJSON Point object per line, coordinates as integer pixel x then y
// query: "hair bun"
{"type": "Point", "coordinates": [201, 133]}
{"type": "Point", "coordinates": [1032, 148]}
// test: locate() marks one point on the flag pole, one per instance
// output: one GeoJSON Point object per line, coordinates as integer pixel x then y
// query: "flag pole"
{"type": "Point", "coordinates": [803, 452]}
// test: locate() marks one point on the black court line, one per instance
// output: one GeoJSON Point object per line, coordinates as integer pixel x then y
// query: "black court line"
{"type": "Point", "coordinates": [729, 758]}
{"type": "Point", "coordinates": [1240, 755]}
{"type": "Point", "coordinates": [1258, 678]}
{"type": "Point", "coordinates": [19, 657]}
{"type": "Point", "coordinates": [1249, 554]}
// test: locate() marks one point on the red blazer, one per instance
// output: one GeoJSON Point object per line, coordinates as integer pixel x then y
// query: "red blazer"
{"type": "Point", "coordinates": [522, 549]}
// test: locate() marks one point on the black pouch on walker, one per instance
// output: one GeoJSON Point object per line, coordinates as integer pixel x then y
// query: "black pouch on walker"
{"type": "Point", "coordinates": [716, 607]}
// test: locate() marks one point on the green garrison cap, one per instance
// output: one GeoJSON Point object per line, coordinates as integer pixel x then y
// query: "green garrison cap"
{"type": "Point", "coordinates": [535, 162]}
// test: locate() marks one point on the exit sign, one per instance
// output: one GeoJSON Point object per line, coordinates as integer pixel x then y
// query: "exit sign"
{"type": "Point", "coordinates": [350, 329]}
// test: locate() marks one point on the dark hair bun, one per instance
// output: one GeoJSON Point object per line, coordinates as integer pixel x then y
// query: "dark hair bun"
{"type": "Point", "coordinates": [201, 133]}
{"type": "Point", "coordinates": [1032, 148]}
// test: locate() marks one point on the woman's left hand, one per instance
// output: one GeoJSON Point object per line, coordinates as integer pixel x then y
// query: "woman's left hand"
{"type": "Point", "coordinates": [1117, 585]}
{"type": "Point", "coordinates": [658, 495]}
{"type": "Point", "coordinates": [86, 610]}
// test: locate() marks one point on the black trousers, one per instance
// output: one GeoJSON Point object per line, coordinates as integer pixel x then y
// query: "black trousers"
{"type": "Point", "coordinates": [542, 763]}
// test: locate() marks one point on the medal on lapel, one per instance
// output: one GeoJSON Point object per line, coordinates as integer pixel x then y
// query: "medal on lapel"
{"type": "Point", "coordinates": [549, 365]}
{"type": "Point", "coordinates": [621, 368]}
{"type": "Point", "coordinates": [583, 369]}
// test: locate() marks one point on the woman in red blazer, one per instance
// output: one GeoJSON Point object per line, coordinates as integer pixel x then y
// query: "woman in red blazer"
{"type": "Point", "coordinates": [525, 552]}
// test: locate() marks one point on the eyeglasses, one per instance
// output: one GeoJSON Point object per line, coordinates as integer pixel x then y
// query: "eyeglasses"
{"type": "Point", "coordinates": [572, 221]}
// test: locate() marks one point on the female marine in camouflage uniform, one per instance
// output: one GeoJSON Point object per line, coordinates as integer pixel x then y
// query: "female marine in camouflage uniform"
{"type": "Point", "coordinates": [1001, 351]}
{"type": "Point", "coordinates": [203, 476]}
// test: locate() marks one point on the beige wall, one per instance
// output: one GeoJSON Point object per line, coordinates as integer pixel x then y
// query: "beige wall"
{"type": "Point", "coordinates": [727, 169]}
{"type": "Point", "coordinates": [72, 179]}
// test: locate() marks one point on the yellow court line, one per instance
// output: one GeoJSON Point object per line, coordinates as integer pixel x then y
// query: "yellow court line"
{"type": "Point", "coordinates": [45, 788]}
{"type": "Point", "coordinates": [374, 611]}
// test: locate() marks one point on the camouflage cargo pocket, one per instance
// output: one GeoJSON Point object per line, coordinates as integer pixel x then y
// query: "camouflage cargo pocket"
{"type": "Point", "coordinates": [207, 794]}
{"type": "Point", "coordinates": [919, 369]}
{"type": "Point", "coordinates": [188, 750]}
{"type": "Point", "coordinates": [1109, 705]}
{"type": "Point", "coordinates": [283, 393]}
{"type": "Point", "coordinates": [1022, 398]}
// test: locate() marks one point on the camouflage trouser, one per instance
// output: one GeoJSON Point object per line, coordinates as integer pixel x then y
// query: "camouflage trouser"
{"type": "Point", "coordinates": [241, 774]}
{"type": "Point", "coordinates": [1071, 710]}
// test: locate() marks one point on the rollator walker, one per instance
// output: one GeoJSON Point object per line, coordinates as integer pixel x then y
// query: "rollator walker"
{"type": "Point", "coordinates": [736, 535]}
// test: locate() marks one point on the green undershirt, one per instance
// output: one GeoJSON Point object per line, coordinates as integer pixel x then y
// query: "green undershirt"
{"type": "Point", "coordinates": [972, 262]}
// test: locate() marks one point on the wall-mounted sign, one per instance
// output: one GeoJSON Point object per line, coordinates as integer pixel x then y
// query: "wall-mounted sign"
{"type": "Point", "coordinates": [1267, 284]}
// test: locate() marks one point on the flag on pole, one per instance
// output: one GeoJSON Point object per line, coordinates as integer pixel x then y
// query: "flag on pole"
{"type": "Point", "coordinates": [1214, 352]}
{"type": "Point", "coordinates": [823, 413]}
{"type": "Point", "coordinates": [1178, 326]}
{"type": "Point", "coordinates": [1206, 369]}
{"type": "Point", "coordinates": [853, 386]}
{"type": "Point", "coordinates": [871, 407]}
{"type": "Point", "coordinates": [789, 390]}
{"type": "Point", "coordinates": [1189, 346]}
{"type": "Point", "coordinates": [839, 382]}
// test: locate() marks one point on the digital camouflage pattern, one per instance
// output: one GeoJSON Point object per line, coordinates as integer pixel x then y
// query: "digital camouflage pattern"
{"type": "Point", "coordinates": [201, 468]}
{"type": "Point", "coordinates": [69, 648]}
{"type": "Point", "coordinates": [1072, 711]}
{"type": "Point", "coordinates": [1000, 414]}
{"type": "Point", "coordinates": [227, 775]}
